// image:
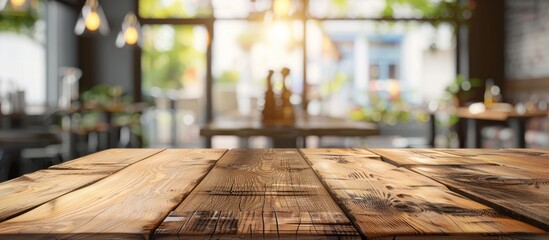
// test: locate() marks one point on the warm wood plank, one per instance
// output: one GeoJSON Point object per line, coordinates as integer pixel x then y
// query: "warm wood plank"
{"type": "Point", "coordinates": [469, 152]}
{"type": "Point", "coordinates": [538, 164]}
{"type": "Point", "coordinates": [528, 152]}
{"type": "Point", "coordinates": [261, 193]}
{"type": "Point", "coordinates": [535, 160]}
{"type": "Point", "coordinates": [127, 204]}
{"type": "Point", "coordinates": [388, 201]}
{"type": "Point", "coordinates": [405, 157]}
{"type": "Point", "coordinates": [339, 152]}
{"type": "Point", "coordinates": [30, 190]}
{"type": "Point", "coordinates": [523, 194]}
{"type": "Point", "coordinates": [108, 160]}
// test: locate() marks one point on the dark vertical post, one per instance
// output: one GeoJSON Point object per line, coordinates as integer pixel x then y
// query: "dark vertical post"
{"type": "Point", "coordinates": [518, 125]}
{"type": "Point", "coordinates": [137, 91]}
{"type": "Point", "coordinates": [209, 79]}
{"type": "Point", "coordinates": [473, 133]}
{"type": "Point", "coordinates": [433, 128]}
{"type": "Point", "coordinates": [487, 44]}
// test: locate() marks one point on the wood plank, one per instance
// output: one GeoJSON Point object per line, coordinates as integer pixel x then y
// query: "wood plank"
{"type": "Point", "coordinates": [28, 191]}
{"type": "Point", "coordinates": [534, 160]}
{"type": "Point", "coordinates": [127, 204]}
{"type": "Point", "coordinates": [520, 193]}
{"type": "Point", "coordinates": [108, 160]}
{"type": "Point", "coordinates": [469, 152]}
{"type": "Point", "coordinates": [528, 152]}
{"type": "Point", "coordinates": [538, 164]}
{"type": "Point", "coordinates": [407, 157]}
{"type": "Point", "coordinates": [388, 201]}
{"type": "Point", "coordinates": [258, 193]}
{"type": "Point", "coordinates": [339, 152]}
{"type": "Point", "coordinates": [530, 160]}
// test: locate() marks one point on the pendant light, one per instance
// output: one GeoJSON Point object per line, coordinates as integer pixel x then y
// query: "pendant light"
{"type": "Point", "coordinates": [92, 20]}
{"type": "Point", "coordinates": [130, 33]}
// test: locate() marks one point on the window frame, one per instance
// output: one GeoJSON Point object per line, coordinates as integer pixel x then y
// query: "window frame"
{"type": "Point", "coordinates": [303, 16]}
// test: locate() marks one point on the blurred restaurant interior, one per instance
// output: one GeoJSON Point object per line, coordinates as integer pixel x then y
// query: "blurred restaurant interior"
{"type": "Point", "coordinates": [81, 76]}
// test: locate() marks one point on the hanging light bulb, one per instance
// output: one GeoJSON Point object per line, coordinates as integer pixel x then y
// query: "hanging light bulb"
{"type": "Point", "coordinates": [130, 33]}
{"type": "Point", "coordinates": [92, 19]}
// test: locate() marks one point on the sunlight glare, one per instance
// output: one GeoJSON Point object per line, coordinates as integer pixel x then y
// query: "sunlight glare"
{"type": "Point", "coordinates": [17, 3]}
{"type": "Point", "coordinates": [279, 34]}
{"type": "Point", "coordinates": [282, 8]}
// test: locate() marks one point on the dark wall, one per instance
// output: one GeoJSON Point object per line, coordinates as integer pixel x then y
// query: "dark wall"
{"type": "Point", "coordinates": [101, 61]}
{"type": "Point", "coordinates": [487, 43]}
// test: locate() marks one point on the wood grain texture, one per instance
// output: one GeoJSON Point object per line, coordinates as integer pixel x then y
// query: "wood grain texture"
{"type": "Point", "coordinates": [522, 194]}
{"type": "Point", "coordinates": [407, 157]}
{"type": "Point", "coordinates": [358, 152]}
{"type": "Point", "coordinates": [538, 164]}
{"type": "Point", "coordinates": [529, 152]}
{"type": "Point", "coordinates": [535, 160]}
{"type": "Point", "coordinates": [128, 204]}
{"type": "Point", "coordinates": [108, 160]}
{"type": "Point", "coordinates": [526, 159]}
{"type": "Point", "coordinates": [30, 190]}
{"type": "Point", "coordinates": [261, 193]}
{"type": "Point", "coordinates": [388, 201]}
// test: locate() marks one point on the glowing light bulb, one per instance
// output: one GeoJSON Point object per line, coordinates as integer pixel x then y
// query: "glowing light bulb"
{"type": "Point", "coordinates": [131, 36]}
{"type": "Point", "coordinates": [17, 3]}
{"type": "Point", "coordinates": [131, 29]}
{"type": "Point", "coordinates": [92, 21]}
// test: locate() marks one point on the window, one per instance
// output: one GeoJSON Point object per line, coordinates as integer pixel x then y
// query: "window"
{"type": "Point", "coordinates": [23, 63]}
{"type": "Point", "coordinates": [340, 52]}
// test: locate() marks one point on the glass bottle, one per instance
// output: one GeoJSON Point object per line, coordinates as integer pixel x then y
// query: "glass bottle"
{"type": "Point", "coordinates": [488, 96]}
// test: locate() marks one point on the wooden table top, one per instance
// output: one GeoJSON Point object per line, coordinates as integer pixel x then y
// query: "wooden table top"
{"type": "Point", "coordinates": [283, 193]}
{"type": "Point", "coordinates": [306, 126]}
{"type": "Point", "coordinates": [495, 115]}
{"type": "Point", "coordinates": [19, 138]}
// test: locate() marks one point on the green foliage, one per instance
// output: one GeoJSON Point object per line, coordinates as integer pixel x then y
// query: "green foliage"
{"type": "Point", "coordinates": [389, 111]}
{"type": "Point", "coordinates": [167, 68]}
{"type": "Point", "coordinates": [104, 95]}
{"type": "Point", "coordinates": [154, 9]}
{"type": "Point", "coordinates": [460, 88]}
{"type": "Point", "coordinates": [341, 5]}
{"type": "Point", "coordinates": [340, 79]}
{"type": "Point", "coordinates": [459, 91]}
{"type": "Point", "coordinates": [18, 20]}
{"type": "Point", "coordinates": [444, 9]}
{"type": "Point", "coordinates": [229, 77]}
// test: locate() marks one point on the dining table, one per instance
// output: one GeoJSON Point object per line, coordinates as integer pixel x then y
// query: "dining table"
{"type": "Point", "coordinates": [14, 141]}
{"type": "Point", "coordinates": [516, 120]}
{"type": "Point", "coordinates": [285, 135]}
{"type": "Point", "coordinates": [298, 193]}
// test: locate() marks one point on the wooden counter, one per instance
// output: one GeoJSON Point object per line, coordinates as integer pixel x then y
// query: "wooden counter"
{"type": "Point", "coordinates": [283, 193]}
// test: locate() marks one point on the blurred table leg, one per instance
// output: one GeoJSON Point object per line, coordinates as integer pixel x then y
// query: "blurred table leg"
{"type": "Point", "coordinates": [518, 126]}
{"type": "Point", "coordinates": [472, 134]}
